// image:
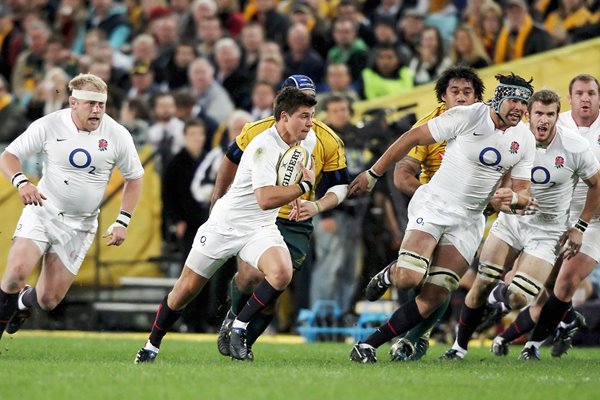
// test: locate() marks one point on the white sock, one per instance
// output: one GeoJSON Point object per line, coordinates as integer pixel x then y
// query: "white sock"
{"type": "Point", "coordinates": [462, 352]}
{"type": "Point", "coordinates": [150, 347]}
{"type": "Point", "coordinates": [386, 277]}
{"type": "Point", "coordinates": [20, 301]}
{"type": "Point", "coordinates": [530, 343]}
{"type": "Point", "coordinates": [239, 324]}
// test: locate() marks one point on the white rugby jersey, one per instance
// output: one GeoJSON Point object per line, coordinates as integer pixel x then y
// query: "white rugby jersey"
{"type": "Point", "coordinates": [557, 168]}
{"type": "Point", "coordinates": [258, 168]}
{"type": "Point", "coordinates": [77, 164]}
{"type": "Point", "coordinates": [477, 156]}
{"type": "Point", "coordinates": [592, 136]}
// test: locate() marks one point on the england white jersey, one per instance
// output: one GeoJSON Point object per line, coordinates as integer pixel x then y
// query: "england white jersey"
{"type": "Point", "coordinates": [258, 168]}
{"type": "Point", "coordinates": [77, 164]}
{"type": "Point", "coordinates": [556, 170]}
{"type": "Point", "coordinates": [477, 156]}
{"type": "Point", "coordinates": [592, 136]}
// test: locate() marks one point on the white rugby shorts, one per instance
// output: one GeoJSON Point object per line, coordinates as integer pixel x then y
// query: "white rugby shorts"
{"type": "Point", "coordinates": [462, 229]}
{"type": "Point", "coordinates": [214, 244]}
{"type": "Point", "coordinates": [70, 238]}
{"type": "Point", "coordinates": [537, 235]}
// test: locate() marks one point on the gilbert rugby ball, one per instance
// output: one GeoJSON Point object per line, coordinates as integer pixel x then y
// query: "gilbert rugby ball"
{"type": "Point", "coordinates": [288, 167]}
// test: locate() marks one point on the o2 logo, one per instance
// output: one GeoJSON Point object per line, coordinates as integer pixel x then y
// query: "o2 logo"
{"type": "Point", "coordinates": [541, 176]}
{"type": "Point", "coordinates": [81, 158]}
{"type": "Point", "coordinates": [490, 157]}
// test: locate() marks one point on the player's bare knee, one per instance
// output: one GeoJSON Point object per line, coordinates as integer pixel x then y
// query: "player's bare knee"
{"type": "Point", "coordinates": [409, 270]}
{"type": "Point", "coordinates": [523, 290]}
{"type": "Point", "coordinates": [248, 280]}
{"type": "Point", "coordinates": [280, 277]}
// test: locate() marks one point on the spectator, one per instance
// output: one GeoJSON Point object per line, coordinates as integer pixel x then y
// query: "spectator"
{"type": "Point", "coordinates": [29, 68]}
{"type": "Point", "coordinates": [230, 72]}
{"type": "Point", "coordinates": [263, 96]}
{"type": "Point", "coordinates": [520, 36]}
{"type": "Point", "coordinates": [348, 48]}
{"type": "Point", "coordinates": [301, 58]}
{"type": "Point", "coordinates": [303, 13]}
{"type": "Point", "coordinates": [166, 132]}
{"type": "Point", "coordinates": [177, 78]}
{"type": "Point", "coordinates": [52, 94]}
{"type": "Point", "coordinates": [348, 9]}
{"type": "Point", "coordinates": [142, 81]}
{"type": "Point", "coordinates": [109, 17]}
{"type": "Point", "coordinates": [571, 14]}
{"type": "Point", "coordinates": [115, 95]}
{"type": "Point", "coordinates": [209, 31]}
{"type": "Point", "coordinates": [410, 28]}
{"type": "Point", "coordinates": [211, 98]}
{"type": "Point", "coordinates": [12, 115]}
{"type": "Point", "coordinates": [431, 59]}
{"type": "Point", "coordinates": [387, 76]}
{"type": "Point", "coordinates": [10, 45]}
{"type": "Point", "coordinates": [252, 38]}
{"type": "Point", "coordinates": [489, 27]}
{"type": "Point", "coordinates": [391, 9]}
{"type": "Point", "coordinates": [231, 19]}
{"type": "Point", "coordinates": [274, 23]}
{"type": "Point", "coordinates": [339, 83]}
{"type": "Point", "coordinates": [270, 69]}
{"type": "Point", "coordinates": [134, 116]}
{"type": "Point", "coordinates": [467, 49]}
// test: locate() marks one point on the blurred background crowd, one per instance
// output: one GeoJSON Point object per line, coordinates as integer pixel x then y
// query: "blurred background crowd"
{"type": "Point", "coordinates": [185, 76]}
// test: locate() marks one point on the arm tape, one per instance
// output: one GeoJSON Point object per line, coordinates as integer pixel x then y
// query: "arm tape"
{"type": "Point", "coordinates": [340, 192]}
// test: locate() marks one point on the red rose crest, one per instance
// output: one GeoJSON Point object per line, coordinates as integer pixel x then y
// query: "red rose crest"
{"type": "Point", "coordinates": [559, 162]}
{"type": "Point", "coordinates": [102, 145]}
{"type": "Point", "coordinates": [514, 148]}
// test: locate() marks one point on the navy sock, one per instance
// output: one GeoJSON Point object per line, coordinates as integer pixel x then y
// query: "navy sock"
{"type": "Point", "coordinates": [164, 320]}
{"type": "Point", "coordinates": [570, 315]}
{"type": "Point", "coordinates": [403, 319]}
{"type": "Point", "coordinates": [521, 325]}
{"type": "Point", "coordinates": [8, 306]}
{"type": "Point", "coordinates": [467, 323]}
{"type": "Point", "coordinates": [552, 313]}
{"type": "Point", "coordinates": [264, 295]}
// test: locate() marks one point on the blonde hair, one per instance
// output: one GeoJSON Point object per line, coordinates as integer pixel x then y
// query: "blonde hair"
{"type": "Point", "coordinates": [477, 49]}
{"type": "Point", "coordinates": [82, 79]}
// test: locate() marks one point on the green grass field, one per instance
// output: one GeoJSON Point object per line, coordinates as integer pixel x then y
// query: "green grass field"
{"type": "Point", "coordinates": [42, 365]}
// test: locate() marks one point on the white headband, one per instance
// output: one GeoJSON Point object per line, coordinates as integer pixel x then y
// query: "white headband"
{"type": "Point", "coordinates": [89, 95]}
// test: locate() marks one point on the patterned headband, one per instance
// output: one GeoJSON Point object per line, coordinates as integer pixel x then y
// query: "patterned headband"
{"type": "Point", "coordinates": [504, 91]}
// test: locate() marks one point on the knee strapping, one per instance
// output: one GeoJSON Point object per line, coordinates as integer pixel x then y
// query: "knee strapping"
{"type": "Point", "coordinates": [443, 277]}
{"type": "Point", "coordinates": [489, 272]}
{"type": "Point", "coordinates": [412, 261]}
{"type": "Point", "coordinates": [526, 286]}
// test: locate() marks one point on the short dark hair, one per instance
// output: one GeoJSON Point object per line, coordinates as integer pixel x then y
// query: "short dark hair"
{"type": "Point", "coordinates": [515, 80]}
{"type": "Point", "coordinates": [546, 97]}
{"type": "Point", "coordinates": [290, 99]}
{"type": "Point", "coordinates": [193, 122]}
{"type": "Point", "coordinates": [583, 78]}
{"type": "Point", "coordinates": [459, 72]}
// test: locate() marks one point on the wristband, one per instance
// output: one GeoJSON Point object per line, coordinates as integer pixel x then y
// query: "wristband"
{"type": "Point", "coordinates": [581, 225]}
{"type": "Point", "coordinates": [317, 207]}
{"type": "Point", "coordinates": [124, 218]}
{"type": "Point", "coordinates": [373, 174]}
{"type": "Point", "coordinates": [515, 199]}
{"type": "Point", "coordinates": [305, 186]}
{"type": "Point", "coordinates": [19, 179]}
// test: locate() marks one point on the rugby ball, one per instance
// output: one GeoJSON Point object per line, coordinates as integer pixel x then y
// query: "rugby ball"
{"type": "Point", "coordinates": [288, 167]}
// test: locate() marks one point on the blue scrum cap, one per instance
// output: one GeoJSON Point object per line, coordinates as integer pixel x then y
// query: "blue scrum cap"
{"type": "Point", "coordinates": [301, 82]}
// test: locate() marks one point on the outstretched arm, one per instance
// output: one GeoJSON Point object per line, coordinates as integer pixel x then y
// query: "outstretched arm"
{"type": "Point", "coordinates": [420, 135]}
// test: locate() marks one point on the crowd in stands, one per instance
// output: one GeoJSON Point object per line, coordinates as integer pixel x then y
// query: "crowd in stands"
{"type": "Point", "coordinates": [185, 75]}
